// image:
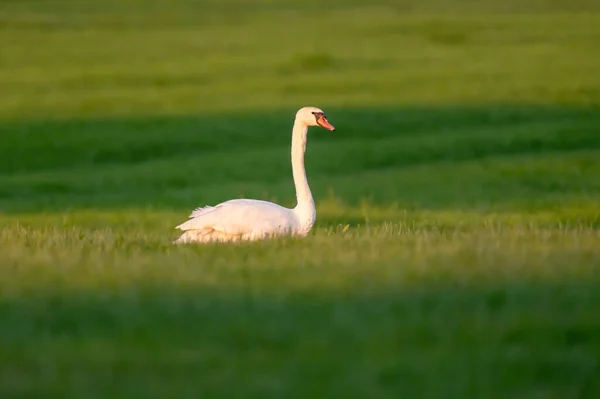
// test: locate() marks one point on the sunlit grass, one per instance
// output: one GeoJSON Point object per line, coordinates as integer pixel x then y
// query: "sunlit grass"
{"type": "Point", "coordinates": [105, 249]}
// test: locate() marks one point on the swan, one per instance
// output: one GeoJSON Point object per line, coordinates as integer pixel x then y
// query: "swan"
{"type": "Point", "coordinates": [250, 219]}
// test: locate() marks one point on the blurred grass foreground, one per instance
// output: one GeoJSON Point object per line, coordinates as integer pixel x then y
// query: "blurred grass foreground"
{"type": "Point", "coordinates": [457, 247]}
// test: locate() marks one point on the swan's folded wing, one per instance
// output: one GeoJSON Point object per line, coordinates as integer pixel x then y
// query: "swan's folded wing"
{"type": "Point", "coordinates": [238, 217]}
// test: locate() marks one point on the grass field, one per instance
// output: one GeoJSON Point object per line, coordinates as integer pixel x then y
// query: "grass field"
{"type": "Point", "coordinates": [456, 252]}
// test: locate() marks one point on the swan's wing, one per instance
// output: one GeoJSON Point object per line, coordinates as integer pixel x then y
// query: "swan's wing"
{"type": "Point", "coordinates": [240, 217]}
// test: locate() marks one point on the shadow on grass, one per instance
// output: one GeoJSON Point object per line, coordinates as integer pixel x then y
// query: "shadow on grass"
{"type": "Point", "coordinates": [504, 340]}
{"type": "Point", "coordinates": [164, 161]}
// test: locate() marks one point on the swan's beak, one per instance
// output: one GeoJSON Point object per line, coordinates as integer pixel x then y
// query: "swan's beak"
{"type": "Point", "coordinates": [323, 122]}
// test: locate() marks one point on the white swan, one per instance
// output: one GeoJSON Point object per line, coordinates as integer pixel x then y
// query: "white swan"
{"type": "Point", "coordinates": [250, 220]}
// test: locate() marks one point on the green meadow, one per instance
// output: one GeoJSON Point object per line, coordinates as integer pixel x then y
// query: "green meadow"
{"type": "Point", "coordinates": [456, 252]}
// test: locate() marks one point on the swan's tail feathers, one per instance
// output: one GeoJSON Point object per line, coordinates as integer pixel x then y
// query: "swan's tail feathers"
{"type": "Point", "coordinates": [201, 210]}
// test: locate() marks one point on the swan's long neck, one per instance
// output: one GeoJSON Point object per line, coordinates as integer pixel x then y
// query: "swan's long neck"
{"type": "Point", "coordinates": [305, 209]}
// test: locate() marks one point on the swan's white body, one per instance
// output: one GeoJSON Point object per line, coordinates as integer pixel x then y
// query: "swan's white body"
{"type": "Point", "coordinates": [251, 220]}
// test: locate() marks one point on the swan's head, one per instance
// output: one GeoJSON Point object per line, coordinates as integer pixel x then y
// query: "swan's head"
{"type": "Point", "coordinates": [313, 116]}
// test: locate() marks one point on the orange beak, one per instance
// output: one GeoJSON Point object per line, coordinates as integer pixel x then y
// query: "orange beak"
{"type": "Point", "coordinates": [323, 122]}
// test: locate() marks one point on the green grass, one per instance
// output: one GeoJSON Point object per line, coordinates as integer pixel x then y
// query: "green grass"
{"type": "Point", "coordinates": [456, 252]}
{"type": "Point", "coordinates": [74, 58]}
